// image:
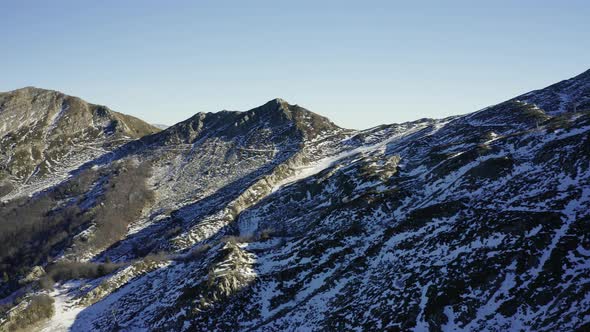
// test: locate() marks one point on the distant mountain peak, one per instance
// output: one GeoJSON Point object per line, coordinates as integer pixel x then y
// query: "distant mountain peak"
{"type": "Point", "coordinates": [34, 91]}
{"type": "Point", "coordinates": [280, 101]}
{"type": "Point", "coordinates": [274, 114]}
{"type": "Point", "coordinates": [46, 132]}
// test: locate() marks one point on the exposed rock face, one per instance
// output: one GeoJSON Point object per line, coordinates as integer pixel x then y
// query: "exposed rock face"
{"type": "Point", "coordinates": [276, 219]}
{"type": "Point", "coordinates": [44, 134]}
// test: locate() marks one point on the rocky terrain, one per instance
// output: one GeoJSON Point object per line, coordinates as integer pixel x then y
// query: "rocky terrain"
{"type": "Point", "coordinates": [276, 219]}
{"type": "Point", "coordinates": [45, 134]}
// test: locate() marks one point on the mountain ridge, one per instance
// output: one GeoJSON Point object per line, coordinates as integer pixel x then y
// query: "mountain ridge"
{"type": "Point", "coordinates": [46, 132]}
{"type": "Point", "coordinates": [276, 219]}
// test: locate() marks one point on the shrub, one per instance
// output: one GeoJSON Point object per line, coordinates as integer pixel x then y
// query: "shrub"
{"type": "Point", "coordinates": [266, 234]}
{"type": "Point", "coordinates": [79, 184]}
{"type": "Point", "coordinates": [5, 188]}
{"type": "Point", "coordinates": [156, 257]}
{"type": "Point", "coordinates": [32, 229]}
{"type": "Point", "coordinates": [75, 270]}
{"type": "Point", "coordinates": [38, 307]}
{"type": "Point", "coordinates": [124, 199]}
{"type": "Point", "coordinates": [194, 253]}
{"type": "Point", "coordinates": [46, 282]}
{"type": "Point", "coordinates": [238, 239]}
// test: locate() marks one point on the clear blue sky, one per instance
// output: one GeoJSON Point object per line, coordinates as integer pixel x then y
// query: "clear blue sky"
{"type": "Point", "coordinates": [361, 63]}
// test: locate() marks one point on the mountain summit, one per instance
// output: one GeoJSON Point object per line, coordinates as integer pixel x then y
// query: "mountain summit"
{"type": "Point", "coordinates": [290, 121]}
{"type": "Point", "coordinates": [44, 134]}
{"type": "Point", "coordinates": [276, 219]}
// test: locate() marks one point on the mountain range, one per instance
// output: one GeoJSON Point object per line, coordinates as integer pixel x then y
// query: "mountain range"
{"type": "Point", "coordinates": [276, 219]}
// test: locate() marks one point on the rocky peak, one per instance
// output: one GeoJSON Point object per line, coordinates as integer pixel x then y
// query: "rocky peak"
{"type": "Point", "coordinates": [276, 115]}
{"type": "Point", "coordinates": [308, 123]}
{"type": "Point", "coordinates": [64, 114]}
{"type": "Point", "coordinates": [45, 132]}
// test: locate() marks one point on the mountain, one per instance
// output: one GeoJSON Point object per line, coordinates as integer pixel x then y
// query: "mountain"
{"type": "Point", "coordinates": [276, 219]}
{"type": "Point", "coordinates": [45, 134]}
{"type": "Point", "coordinates": [564, 97]}
{"type": "Point", "coordinates": [160, 126]}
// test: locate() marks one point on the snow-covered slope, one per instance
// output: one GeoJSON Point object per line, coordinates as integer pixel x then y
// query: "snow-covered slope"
{"type": "Point", "coordinates": [275, 219]}
{"type": "Point", "coordinates": [566, 96]}
{"type": "Point", "coordinates": [45, 134]}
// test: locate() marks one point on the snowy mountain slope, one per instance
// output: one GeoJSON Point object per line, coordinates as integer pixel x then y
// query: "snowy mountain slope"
{"type": "Point", "coordinates": [45, 134]}
{"type": "Point", "coordinates": [275, 219]}
{"type": "Point", "coordinates": [566, 96]}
